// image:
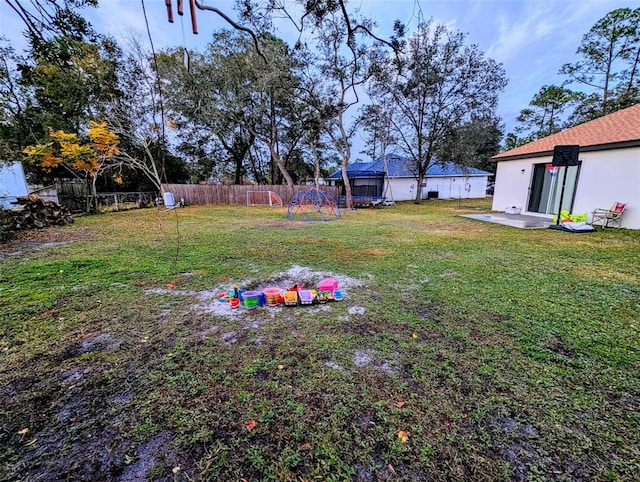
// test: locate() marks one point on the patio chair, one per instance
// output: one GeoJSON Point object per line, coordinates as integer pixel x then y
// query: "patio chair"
{"type": "Point", "coordinates": [609, 218]}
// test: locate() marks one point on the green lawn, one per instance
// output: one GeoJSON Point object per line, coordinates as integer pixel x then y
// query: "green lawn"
{"type": "Point", "coordinates": [462, 351]}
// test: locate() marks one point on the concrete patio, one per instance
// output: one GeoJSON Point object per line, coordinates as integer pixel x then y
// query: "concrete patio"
{"type": "Point", "coordinates": [522, 221]}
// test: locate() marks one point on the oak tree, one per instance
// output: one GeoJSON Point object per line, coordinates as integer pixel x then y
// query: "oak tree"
{"type": "Point", "coordinates": [439, 85]}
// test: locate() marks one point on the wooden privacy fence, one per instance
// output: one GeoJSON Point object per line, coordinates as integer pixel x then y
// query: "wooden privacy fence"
{"type": "Point", "coordinates": [73, 195]}
{"type": "Point", "coordinates": [201, 194]}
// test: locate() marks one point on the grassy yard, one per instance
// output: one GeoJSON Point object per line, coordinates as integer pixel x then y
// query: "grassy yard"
{"type": "Point", "coordinates": [462, 351]}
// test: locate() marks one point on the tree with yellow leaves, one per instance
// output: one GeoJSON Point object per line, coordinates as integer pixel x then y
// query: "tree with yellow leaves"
{"type": "Point", "coordinates": [85, 159]}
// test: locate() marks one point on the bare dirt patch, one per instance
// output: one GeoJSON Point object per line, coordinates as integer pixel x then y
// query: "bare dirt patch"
{"type": "Point", "coordinates": [369, 358]}
{"type": "Point", "coordinates": [377, 253]}
{"type": "Point", "coordinates": [243, 326]}
{"type": "Point", "coordinates": [308, 277]}
{"type": "Point", "coordinates": [558, 347]}
{"type": "Point", "coordinates": [28, 242]}
{"type": "Point", "coordinates": [208, 301]}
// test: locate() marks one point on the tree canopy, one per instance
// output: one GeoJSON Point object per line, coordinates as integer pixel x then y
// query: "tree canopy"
{"type": "Point", "coordinates": [252, 107]}
{"type": "Point", "coordinates": [439, 88]}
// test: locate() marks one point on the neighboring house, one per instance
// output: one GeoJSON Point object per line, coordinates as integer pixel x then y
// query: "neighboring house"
{"type": "Point", "coordinates": [446, 181]}
{"type": "Point", "coordinates": [609, 170]}
{"type": "Point", "coordinates": [13, 183]}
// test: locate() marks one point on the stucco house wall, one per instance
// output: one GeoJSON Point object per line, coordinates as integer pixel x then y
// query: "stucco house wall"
{"type": "Point", "coordinates": [606, 176]}
{"type": "Point", "coordinates": [447, 187]}
{"type": "Point", "coordinates": [400, 188]}
{"type": "Point", "coordinates": [454, 187]}
{"type": "Point", "coordinates": [513, 179]}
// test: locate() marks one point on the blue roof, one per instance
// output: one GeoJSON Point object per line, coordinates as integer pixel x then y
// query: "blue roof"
{"type": "Point", "coordinates": [399, 166]}
{"type": "Point", "coordinates": [359, 169]}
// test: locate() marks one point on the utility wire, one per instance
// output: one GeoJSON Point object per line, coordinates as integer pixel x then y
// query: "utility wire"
{"type": "Point", "coordinates": [160, 96]}
{"type": "Point", "coordinates": [162, 122]}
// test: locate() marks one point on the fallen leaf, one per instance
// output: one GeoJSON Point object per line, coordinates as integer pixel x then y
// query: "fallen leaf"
{"type": "Point", "coordinates": [280, 367]}
{"type": "Point", "coordinates": [305, 445]}
{"type": "Point", "coordinates": [23, 431]}
{"type": "Point", "coordinates": [402, 435]}
{"type": "Point", "coordinates": [250, 424]}
{"type": "Point", "coordinates": [391, 469]}
{"type": "Point", "coordinates": [399, 404]}
{"type": "Point", "coordinates": [171, 285]}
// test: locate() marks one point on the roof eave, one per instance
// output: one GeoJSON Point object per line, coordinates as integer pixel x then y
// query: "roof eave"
{"type": "Point", "coordinates": [595, 147]}
{"type": "Point", "coordinates": [460, 174]}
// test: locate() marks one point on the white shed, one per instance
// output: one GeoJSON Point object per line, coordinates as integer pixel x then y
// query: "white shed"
{"type": "Point", "coordinates": [398, 182]}
{"type": "Point", "coordinates": [13, 183]}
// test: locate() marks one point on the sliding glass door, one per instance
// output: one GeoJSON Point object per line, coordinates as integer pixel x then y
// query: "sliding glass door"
{"type": "Point", "coordinates": [546, 187]}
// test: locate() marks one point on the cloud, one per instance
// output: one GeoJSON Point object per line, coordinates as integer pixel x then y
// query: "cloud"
{"type": "Point", "coordinates": [519, 29]}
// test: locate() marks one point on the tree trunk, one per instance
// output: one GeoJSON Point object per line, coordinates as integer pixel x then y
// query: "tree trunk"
{"type": "Point", "coordinates": [282, 169]}
{"type": "Point", "coordinates": [345, 151]}
{"type": "Point", "coordinates": [88, 195]}
{"type": "Point", "coordinates": [273, 141]}
{"type": "Point", "coordinates": [633, 71]}
{"type": "Point", "coordinates": [237, 151]}
{"type": "Point", "coordinates": [419, 180]}
{"type": "Point", "coordinates": [607, 74]}
{"type": "Point", "coordinates": [316, 164]}
{"type": "Point", "coordinates": [94, 193]}
{"type": "Point", "coordinates": [347, 187]}
{"type": "Point", "coordinates": [157, 180]}
{"type": "Point", "coordinates": [237, 162]}
{"type": "Point", "coordinates": [258, 174]}
{"type": "Point", "coordinates": [274, 155]}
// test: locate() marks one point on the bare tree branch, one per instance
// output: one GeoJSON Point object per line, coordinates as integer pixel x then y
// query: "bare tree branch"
{"type": "Point", "coordinates": [235, 25]}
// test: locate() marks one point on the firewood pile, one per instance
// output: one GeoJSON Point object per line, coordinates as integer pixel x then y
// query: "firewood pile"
{"type": "Point", "coordinates": [34, 212]}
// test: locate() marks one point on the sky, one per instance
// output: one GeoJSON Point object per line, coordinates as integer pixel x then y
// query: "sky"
{"type": "Point", "coordinates": [531, 38]}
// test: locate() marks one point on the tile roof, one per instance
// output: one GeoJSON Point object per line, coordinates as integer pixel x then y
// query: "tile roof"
{"type": "Point", "coordinates": [399, 166]}
{"type": "Point", "coordinates": [619, 129]}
